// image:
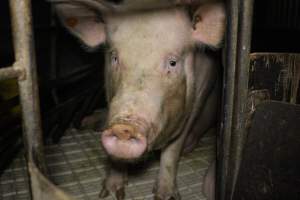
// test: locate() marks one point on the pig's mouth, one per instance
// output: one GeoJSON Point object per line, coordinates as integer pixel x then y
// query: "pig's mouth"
{"type": "Point", "coordinates": [127, 140]}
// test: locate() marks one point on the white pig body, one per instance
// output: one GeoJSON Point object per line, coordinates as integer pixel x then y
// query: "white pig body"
{"type": "Point", "coordinates": [162, 90]}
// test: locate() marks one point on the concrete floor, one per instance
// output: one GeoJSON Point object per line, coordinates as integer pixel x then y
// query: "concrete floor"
{"type": "Point", "coordinates": [77, 164]}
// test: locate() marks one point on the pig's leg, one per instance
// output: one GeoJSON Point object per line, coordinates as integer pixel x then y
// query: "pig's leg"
{"type": "Point", "coordinates": [165, 187]}
{"type": "Point", "coordinates": [114, 182]}
{"type": "Point", "coordinates": [209, 182]}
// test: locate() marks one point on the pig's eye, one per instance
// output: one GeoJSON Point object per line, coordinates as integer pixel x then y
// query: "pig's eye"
{"type": "Point", "coordinates": [172, 63]}
{"type": "Point", "coordinates": [114, 58]}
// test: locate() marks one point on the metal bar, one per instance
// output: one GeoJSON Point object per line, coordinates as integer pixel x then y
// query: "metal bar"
{"type": "Point", "coordinates": [32, 133]}
{"type": "Point", "coordinates": [235, 93]}
{"type": "Point", "coordinates": [28, 88]}
{"type": "Point", "coordinates": [10, 72]}
{"type": "Point", "coordinates": [241, 93]}
{"type": "Point", "coordinates": [227, 99]}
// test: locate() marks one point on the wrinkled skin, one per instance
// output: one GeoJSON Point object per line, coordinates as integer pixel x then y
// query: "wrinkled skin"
{"type": "Point", "coordinates": [162, 90]}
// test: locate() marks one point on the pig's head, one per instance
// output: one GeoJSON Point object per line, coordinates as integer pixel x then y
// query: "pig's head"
{"type": "Point", "coordinates": [149, 69]}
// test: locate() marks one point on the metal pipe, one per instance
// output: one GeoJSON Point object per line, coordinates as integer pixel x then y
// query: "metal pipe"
{"type": "Point", "coordinates": [236, 75]}
{"type": "Point", "coordinates": [41, 187]}
{"type": "Point", "coordinates": [241, 91]}
{"type": "Point", "coordinates": [10, 72]}
{"type": "Point", "coordinates": [25, 57]}
{"type": "Point", "coordinates": [227, 99]}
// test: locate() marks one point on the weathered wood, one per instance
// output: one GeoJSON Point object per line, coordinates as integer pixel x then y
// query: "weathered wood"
{"type": "Point", "coordinates": [271, 161]}
{"type": "Point", "coordinates": [279, 73]}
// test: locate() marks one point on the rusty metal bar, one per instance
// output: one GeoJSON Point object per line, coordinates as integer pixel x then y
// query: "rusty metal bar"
{"type": "Point", "coordinates": [28, 87]}
{"type": "Point", "coordinates": [236, 76]}
{"type": "Point", "coordinates": [10, 72]}
{"type": "Point", "coordinates": [25, 69]}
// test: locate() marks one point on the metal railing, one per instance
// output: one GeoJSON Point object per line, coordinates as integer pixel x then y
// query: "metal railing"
{"type": "Point", "coordinates": [24, 69]}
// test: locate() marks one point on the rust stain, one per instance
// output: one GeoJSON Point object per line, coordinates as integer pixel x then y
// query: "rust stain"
{"type": "Point", "coordinates": [71, 22]}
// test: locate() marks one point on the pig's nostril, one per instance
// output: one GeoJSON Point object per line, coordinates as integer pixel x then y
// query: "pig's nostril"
{"type": "Point", "coordinates": [123, 132]}
{"type": "Point", "coordinates": [114, 136]}
{"type": "Point", "coordinates": [133, 139]}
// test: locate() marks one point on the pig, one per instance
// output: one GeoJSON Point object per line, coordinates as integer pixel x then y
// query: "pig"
{"type": "Point", "coordinates": [209, 182]}
{"type": "Point", "coordinates": [162, 88]}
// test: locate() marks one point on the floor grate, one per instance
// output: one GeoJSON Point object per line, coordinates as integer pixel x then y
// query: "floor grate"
{"type": "Point", "coordinates": [77, 164]}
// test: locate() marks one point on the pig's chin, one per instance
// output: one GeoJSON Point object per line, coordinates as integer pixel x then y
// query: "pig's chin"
{"type": "Point", "coordinates": [131, 151]}
{"type": "Point", "coordinates": [140, 159]}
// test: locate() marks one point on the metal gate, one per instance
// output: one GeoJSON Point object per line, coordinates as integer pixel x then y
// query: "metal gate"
{"type": "Point", "coordinates": [24, 69]}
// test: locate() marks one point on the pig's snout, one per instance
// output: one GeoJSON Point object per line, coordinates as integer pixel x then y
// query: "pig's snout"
{"type": "Point", "coordinates": [124, 142]}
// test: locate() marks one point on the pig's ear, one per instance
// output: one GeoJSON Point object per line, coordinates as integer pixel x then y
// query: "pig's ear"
{"type": "Point", "coordinates": [82, 22]}
{"type": "Point", "coordinates": [209, 24]}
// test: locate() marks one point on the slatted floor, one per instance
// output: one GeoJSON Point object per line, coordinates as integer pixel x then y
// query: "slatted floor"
{"type": "Point", "coordinates": [77, 164]}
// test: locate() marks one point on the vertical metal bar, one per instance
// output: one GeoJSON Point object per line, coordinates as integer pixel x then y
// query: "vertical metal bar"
{"type": "Point", "coordinates": [241, 93]}
{"type": "Point", "coordinates": [28, 87]}
{"type": "Point", "coordinates": [236, 75]}
{"type": "Point", "coordinates": [41, 187]}
{"type": "Point", "coordinates": [228, 98]}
